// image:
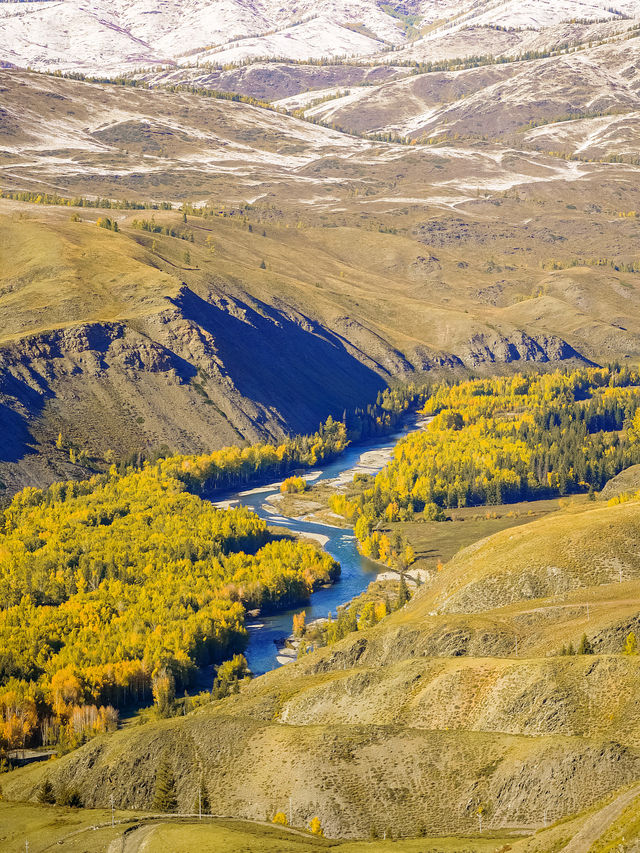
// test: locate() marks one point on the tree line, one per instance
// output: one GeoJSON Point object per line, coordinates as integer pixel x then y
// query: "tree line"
{"type": "Point", "coordinates": [113, 590]}
{"type": "Point", "coordinates": [79, 201]}
{"type": "Point", "coordinates": [502, 440]}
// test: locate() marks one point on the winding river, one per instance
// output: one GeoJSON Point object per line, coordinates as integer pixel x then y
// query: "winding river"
{"type": "Point", "coordinates": [266, 633]}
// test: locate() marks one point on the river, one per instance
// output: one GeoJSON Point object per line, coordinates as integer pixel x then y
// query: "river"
{"type": "Point", "coordinates": [266, 633]}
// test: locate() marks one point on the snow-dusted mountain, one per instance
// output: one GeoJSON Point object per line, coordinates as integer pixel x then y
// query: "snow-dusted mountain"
{"type": "Point", "coordinates": [111, 33]}
{"type": "Point", "coordinates": [103, 36]}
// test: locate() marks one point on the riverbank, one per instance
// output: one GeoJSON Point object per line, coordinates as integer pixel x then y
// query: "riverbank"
{"type": "Point", "coordinates": [329, 531]}
{"type": "Point", "coordinates": [383, 590]}
{"type": "Point", "coordinates": [312, 505]}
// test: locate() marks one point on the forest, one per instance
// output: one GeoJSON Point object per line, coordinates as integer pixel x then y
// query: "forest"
{"type": "Point", "coordinates": [502, 440]}
{"type": "Point", "coordinates": [115, 589]}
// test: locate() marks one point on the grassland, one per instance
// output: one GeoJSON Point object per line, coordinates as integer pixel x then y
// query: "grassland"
{"type": "Point", "coordinates": [437, 542]}
{"type": "Point", "coordinates": [601, 829]}
{"type": "Point", "coordinates": [89, 830]}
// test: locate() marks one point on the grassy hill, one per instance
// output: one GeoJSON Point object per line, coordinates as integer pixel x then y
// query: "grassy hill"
{"type": "Point", "coordinates": [604, 827]}
{"type": "Point", "coordinates": [373, 731]}
{"type": "Point", "coordinates": [90, 830]}
{"type": "Point", "coordinates": [118, 342]}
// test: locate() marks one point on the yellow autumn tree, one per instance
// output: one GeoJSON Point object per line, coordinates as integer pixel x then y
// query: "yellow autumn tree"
{"type": "Point", "coordinates": [299, 623]}
{"type": "Point", "coordinates": [316, 827]}
{"type": "Point", "coordinates": [631, 644]}
{"type": "Point", "coordinates": [66, 690]}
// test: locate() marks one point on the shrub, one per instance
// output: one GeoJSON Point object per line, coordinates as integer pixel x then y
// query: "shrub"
{"type": "Point", "coordinates": [69, 797]}
{"type": "Point", "coordinates": [46, 793]}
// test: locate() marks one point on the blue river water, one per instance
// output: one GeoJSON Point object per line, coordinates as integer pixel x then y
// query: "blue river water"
{"type": "Point", "coordinates": [267, 632]}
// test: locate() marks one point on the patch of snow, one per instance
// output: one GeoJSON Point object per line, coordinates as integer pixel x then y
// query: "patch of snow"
{"type": "Point", "coordinates": [317, 39]}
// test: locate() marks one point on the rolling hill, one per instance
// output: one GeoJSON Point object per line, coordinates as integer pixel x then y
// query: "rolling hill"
{"type": "Point", "coordinates": [373, 732]}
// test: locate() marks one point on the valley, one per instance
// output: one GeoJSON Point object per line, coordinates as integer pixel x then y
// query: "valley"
{"type": "Point", "coordinates": [383, 260]}
{"type": "Point", "coordinates": [473, 671]}
{"type": "Point", "coordinates": [319, 321]}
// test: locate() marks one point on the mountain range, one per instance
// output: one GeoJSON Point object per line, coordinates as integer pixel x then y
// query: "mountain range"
{"type": "Point", "coordinates": [115, 36]}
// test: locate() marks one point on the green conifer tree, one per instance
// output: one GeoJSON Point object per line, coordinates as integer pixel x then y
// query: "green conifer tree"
{"type": "Point", "coordinates": [46, 793]}
{"type": "Point", "coordinates": [403, 593]}
{"type": "Point", "coordinates": [165, 793]}
{"type": "Point", "coordinates": [585, 647]}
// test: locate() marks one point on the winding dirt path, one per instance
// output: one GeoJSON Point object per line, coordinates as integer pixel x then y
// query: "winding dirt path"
{"type": "Point", "coordinates": [598, 823]}
{"type": "Point", "coordinates": [133, 842]}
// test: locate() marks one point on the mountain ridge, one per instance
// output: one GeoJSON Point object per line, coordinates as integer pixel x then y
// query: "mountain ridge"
{"type": "Point", "coordinates": [122, 35]}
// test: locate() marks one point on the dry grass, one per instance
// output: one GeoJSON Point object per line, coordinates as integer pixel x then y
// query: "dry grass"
{"type": "Point", "coordinates": [86, 831]}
